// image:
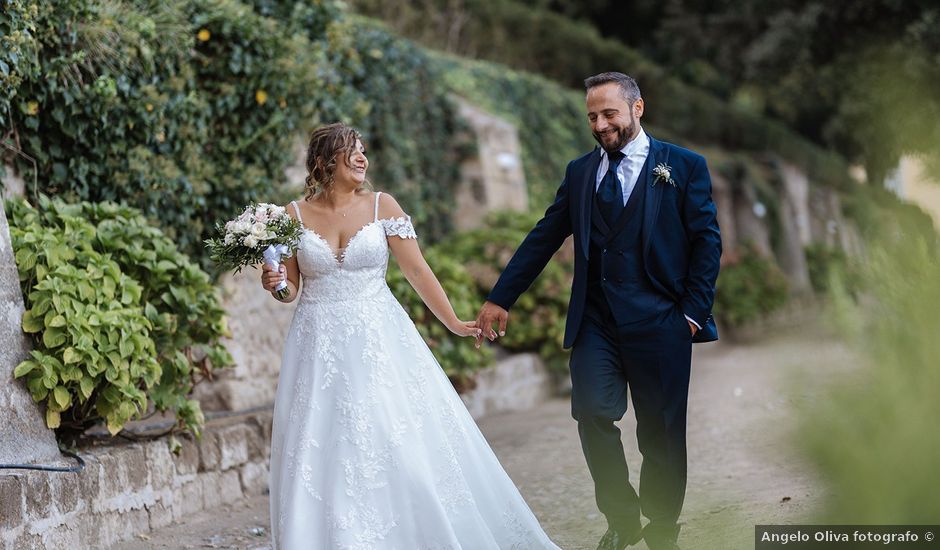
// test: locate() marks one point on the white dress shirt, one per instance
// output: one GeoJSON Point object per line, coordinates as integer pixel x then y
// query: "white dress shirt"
{"type": "Point", "coordinates": [628, 171]}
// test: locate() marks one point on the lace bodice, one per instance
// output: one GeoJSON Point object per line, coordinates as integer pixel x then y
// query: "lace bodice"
{"type": "Point", "coordinates": [358, 273]}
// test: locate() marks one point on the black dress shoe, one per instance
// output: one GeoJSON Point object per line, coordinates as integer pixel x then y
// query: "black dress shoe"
{"type": "Point", "coordinates": [616, 540]}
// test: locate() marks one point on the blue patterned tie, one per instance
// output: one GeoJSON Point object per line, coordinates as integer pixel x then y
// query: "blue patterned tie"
{"type": "Point", "coordinates": [610, 194]}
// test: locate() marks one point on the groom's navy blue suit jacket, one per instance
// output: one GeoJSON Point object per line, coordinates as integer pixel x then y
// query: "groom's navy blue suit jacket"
{"type": "Point", "coordinates": [680, 239]}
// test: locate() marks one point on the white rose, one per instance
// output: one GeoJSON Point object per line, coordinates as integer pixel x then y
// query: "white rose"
{"type": "Point", "coordinates": [250, 241]}
{"type": "Point", "coordinates": [229, 238]}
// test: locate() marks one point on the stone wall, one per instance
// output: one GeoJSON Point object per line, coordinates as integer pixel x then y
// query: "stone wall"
{"type": "Point", "coordinates": [258, 324]}
{"type": "Point", "coordinates": [807, 214]}
{"type": "Point", "coordinates": [492, 179]}
{"type": "Point", "coordinates": [515, 383]}
{"type": "Point", "coordinates": [128, 489]}
{"type": "Point", "coordinates": [24, 437]}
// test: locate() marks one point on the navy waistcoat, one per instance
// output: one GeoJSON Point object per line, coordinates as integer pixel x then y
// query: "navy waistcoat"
{"type": "Point", "coordinates": [617, 279]}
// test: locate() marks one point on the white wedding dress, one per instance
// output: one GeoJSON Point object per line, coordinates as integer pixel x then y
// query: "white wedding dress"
{"type": "Point", "coordinates": [371, 446]}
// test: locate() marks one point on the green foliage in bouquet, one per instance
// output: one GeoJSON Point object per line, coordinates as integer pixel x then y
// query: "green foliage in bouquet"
{"type": "Point", "coordinates": [236, 247]}
{"type": "Point", "coordinates": [537, 320]}
{"type": "Point", "coordinates": [458, 356]}
{"type": "Point", "coordinates": [748, 288]}
{"type": "Point", "coordinates": [118, 315]}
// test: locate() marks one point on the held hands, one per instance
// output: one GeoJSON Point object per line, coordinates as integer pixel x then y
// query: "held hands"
{"type": "Point", "coordinates": [491, 313]}
{"type": "Point", "coordinates": [465, 328]}
{"type": "Point", "coordinates": [271, 278]}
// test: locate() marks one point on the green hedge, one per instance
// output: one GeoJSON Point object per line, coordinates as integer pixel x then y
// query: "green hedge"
{"type": "Point", "coordinates": [188, 109]}
{"type": "Point", "coordinates": [748, 288]}
{"type": "Point", "coordinates": [458, 356]}
{"type": "Point", "coordinates": [535, 39]}
{"type": "Point", "coordinates": [891, 397]}
{"type": "Point", "coordinates": [184, 110]}
{"type": "Point", "coordinates": [118, 315]}
{"type": "Point", "coordinates": [537, 320]}
{"type": "Point", "coordinates": [411, 128]}
{"type": "Point", "coordinates": [551, 120]}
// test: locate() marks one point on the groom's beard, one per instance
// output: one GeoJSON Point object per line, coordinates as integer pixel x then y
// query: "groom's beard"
{"type": "Point", "coordinates": [617, 137]}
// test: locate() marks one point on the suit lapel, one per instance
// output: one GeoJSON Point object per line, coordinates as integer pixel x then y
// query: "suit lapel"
{"type": "Point", "coordinates": [659, 153]}
{"type": "Point", "coordinates": [589, 180]}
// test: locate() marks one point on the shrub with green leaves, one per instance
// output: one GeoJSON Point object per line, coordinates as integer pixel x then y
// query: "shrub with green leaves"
{"type": "Point", "coordinates": [825, 262]}
{"type": "Point", "coordinates": [537, 320]}
{"type": "Point", "coordinates": [118, 315]}
{"type": "Point", "coordinates": [890, 397]}
{"type": "Point", "coordinates": [457, 355]}
{"type": "Point", "coordinates": [184, 109]}
{"type": "Point", "coordinates": [748, 288]}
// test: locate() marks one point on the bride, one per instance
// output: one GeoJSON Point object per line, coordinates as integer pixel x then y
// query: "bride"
{"type": "Point", "coordinates": [371, 446]}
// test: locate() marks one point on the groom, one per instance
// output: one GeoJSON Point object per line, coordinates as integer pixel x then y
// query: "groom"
{"type": "Point", "coordinates": [647, 249]}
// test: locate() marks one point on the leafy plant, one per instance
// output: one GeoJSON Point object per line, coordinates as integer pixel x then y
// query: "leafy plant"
{"type": "Point", "coordinates": [184, 109]}
{"type": "Point", "coordinates": [890, 397]}
{"type": "Point", "coordinates": [825, 262]}
{"type": "Point", "coordinates": [458, 356]}
{"type": "Point", "coordinates": [537, 320]}
{"type": "Point", "coordinates": [118, 315]}
{"type": "Point", "coordinates": [748, 288]}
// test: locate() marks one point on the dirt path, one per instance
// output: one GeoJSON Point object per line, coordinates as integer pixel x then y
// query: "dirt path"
{"type": "Point", "coordinates": [743, 469]}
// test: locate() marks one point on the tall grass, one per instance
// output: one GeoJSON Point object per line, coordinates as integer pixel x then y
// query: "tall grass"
{"type": "Point", "coordinates": [875, 438]}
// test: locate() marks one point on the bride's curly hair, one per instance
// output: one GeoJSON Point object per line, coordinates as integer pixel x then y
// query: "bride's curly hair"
{"type": "Point", "coordinates": [328, 145]}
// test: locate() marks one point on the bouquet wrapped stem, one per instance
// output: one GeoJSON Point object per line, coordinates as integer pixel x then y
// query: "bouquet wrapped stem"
{"type": "Point", "coordinates": [272, 256]}
{"type": "Point", "coordinates": [262, 233]}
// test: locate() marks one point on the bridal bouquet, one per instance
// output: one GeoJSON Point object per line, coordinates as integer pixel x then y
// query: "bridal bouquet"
{"type": "Point", "coordinates": [263, 232]}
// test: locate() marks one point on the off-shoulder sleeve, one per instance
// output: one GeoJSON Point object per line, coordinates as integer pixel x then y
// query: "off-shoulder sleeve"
{"type": "Point", "coordinates": [400, 227]}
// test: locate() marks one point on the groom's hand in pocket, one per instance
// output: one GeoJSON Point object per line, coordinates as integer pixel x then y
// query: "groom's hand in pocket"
{"type": "Point", "coordinates": [491, 313]}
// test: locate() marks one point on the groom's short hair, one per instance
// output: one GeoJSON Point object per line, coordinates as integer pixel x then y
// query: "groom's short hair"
{"type": "Point", "coordinates": [629, 87]}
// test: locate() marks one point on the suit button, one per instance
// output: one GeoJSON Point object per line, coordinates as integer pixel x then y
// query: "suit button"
{"type": "Point", "coordinates": [605, 251]}
{"type": "Point", "coordinates": [620, 252]}
{"type": "Point", "coordinates": [605, 279]}
{"type": "Point", "coordinates": [619, 279]}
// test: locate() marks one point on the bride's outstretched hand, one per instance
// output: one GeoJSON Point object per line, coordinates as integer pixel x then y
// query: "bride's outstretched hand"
{"type": "Point", "coordinates": [466, 328]}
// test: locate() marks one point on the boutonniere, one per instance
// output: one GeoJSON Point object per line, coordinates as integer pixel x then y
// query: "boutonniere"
{"type": "Point", "coordinates": [663, 172]}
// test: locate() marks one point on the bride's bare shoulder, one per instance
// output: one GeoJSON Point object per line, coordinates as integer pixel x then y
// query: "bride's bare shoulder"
{"type": "Point", "coordinates": [389, 207]}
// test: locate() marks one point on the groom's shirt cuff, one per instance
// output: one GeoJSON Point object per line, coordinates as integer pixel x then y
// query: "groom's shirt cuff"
{"type": "Point", "coordinates": [698, 326]}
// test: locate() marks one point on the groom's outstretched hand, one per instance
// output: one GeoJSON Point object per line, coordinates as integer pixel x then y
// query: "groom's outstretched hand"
{"type": "Point", "coordinates": [491, 313]}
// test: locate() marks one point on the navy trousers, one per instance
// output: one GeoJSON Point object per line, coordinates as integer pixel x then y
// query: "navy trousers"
{"type": "Point", "coordinates": [653, 360]}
